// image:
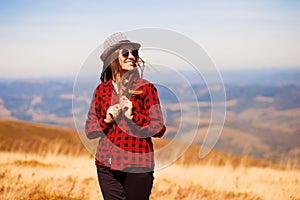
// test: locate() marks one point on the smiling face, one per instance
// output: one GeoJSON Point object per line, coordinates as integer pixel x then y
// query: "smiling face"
{"type": "Point", "coordinates": [126, 59]}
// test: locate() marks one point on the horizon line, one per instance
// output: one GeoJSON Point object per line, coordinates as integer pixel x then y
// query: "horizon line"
{"type": "Point", "coordinates": [35, 77]}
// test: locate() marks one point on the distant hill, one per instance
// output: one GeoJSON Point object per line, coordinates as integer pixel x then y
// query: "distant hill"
{"type": "Point", "coordinates": [250, 76]}
{"type": "Point", "coordinates": [18, 136]}
{"type": "Point", "coordinates": [262, 76]}
{"type": "Point", "coordinates": [37, 138]}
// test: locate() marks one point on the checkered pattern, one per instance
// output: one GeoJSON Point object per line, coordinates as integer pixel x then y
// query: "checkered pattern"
{"type": "Point", "coordinates": [125, 143]}
{"type": "Point", "coordinates": [114, 39]}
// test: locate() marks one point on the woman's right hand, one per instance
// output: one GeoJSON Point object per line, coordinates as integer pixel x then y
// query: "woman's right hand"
{"type": "Point", "coordinates": [112, 113]}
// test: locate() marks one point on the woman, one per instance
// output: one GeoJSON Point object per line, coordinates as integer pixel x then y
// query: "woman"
{"type": "Point", "coordinates": [124, 113]}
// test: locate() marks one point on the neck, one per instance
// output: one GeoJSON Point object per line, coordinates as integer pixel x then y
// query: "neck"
{"type": "Point", "coordinates": [117, 76]}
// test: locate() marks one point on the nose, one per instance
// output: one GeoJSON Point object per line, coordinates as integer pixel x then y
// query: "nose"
{"type": "Point", "coordinates": [130, 55]}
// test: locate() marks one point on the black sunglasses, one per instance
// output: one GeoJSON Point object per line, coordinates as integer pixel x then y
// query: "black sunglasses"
{"type": "Point", "coordinates": [125, 52]}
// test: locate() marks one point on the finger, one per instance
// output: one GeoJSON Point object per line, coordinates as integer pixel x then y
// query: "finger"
{"type": "Point", "coordinates": [124, 98]}
{"type": "Point", "coordinates": [107, 121]}
{"type": "Point", "coordinates": [122, 104]}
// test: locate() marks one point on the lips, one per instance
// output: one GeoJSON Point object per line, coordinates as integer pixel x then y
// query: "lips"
{"type": "Point", "coordinates": [129, 62]}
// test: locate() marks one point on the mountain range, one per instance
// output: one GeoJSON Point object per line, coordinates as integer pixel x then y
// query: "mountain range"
{"type": "Point", "coordinates": [262, 112]}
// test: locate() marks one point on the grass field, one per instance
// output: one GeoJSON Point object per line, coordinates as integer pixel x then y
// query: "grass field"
{"type": "Point", "coordinates": [38, 172]}
{"type": "Point", "coordinates": [28, 176]}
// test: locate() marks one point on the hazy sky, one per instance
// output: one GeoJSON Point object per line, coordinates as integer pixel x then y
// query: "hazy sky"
{"type": "Point", "coordinates": [50, 38]}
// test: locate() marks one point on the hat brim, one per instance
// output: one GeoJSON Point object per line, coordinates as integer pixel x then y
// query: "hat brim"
{"type": "Point", "coordinates": [110, 49]}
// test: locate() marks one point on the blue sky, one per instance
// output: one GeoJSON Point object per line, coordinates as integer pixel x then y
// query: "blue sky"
{"type": "Point", "coordinates": [53, 38]}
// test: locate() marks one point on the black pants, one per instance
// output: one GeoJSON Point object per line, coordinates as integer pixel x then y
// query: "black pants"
{"type": "Point", "coordinates": [119, 185]}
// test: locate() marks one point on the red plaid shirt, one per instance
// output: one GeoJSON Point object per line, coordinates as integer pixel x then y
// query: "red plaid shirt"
{"type": "Point", "coordinates": [125, 143]}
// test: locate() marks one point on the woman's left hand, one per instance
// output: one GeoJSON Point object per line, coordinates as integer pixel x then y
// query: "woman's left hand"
{"type": "Point", "coordinates": [126, 106]}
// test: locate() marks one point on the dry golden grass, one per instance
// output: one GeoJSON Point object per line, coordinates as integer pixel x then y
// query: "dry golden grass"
{"type": "Point", "coordinates": [51, 172]}
{"type": "Point", "coordinates": [226, 182]}
{"type": "Point", "coordinates": [30, 176]}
